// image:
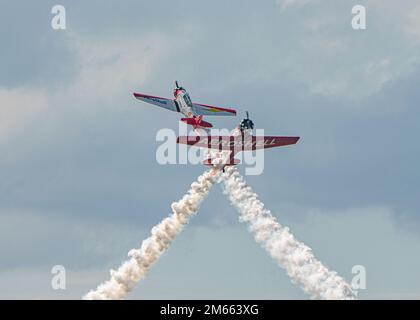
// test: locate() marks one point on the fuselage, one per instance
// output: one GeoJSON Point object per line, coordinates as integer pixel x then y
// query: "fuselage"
{"type": "Point", "coordinates": [184, 103]}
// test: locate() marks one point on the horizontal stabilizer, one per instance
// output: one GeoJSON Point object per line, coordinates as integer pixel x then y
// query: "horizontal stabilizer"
{"type": "Point", "coordinates": [196, 122]}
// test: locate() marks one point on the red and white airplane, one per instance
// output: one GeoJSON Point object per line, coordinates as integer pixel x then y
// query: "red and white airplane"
{"type": "Point", "coordinates": [242, 139]}
{"type": "Point", "coordinates": [182, 103]}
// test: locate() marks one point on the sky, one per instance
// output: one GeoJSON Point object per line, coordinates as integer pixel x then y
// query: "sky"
{"type": "Point", "coordinates": [79, 181]}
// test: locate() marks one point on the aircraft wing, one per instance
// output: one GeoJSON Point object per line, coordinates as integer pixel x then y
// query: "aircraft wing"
{"type": "Point", "coordinates": [157, 101]}
{"type": "Point", "coordinates": [237, 143]}
{"type": "Point", "coordinates": [206, 110]}
{"type": "Point", "coordinates": [273, 142]}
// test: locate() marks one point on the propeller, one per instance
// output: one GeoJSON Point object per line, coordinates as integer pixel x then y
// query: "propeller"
{"type": "Point", "coordinates": [178, 87]}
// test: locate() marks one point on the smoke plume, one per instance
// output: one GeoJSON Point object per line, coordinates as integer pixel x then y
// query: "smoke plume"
{"type": "Point", "coordinates": [295, 257]}
{"type": "Point", "coordinates": [133, 270]}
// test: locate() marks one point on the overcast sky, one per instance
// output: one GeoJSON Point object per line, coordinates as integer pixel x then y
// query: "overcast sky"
{"type": "Point", "coordinates": [79, 181]}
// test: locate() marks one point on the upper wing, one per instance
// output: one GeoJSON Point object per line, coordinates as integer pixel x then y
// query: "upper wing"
{"type": "Point", "coordinates": [237, 143]}
{"type": "Point", "coordinates": [205, 110]}
{"type": "Point", "coordinates": [157, 101]}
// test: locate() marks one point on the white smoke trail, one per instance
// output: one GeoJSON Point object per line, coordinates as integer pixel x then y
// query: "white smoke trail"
{"type": "Point", "coordinates": [130, 272]}
{"type": "Point", "coordinates": [295, 257]}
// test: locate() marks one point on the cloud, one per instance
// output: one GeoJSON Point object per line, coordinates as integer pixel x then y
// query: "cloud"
{"type": "Point", "coordinates": [326, 54]}
{"type": "Point", "coordinates": [284, 4]}
{"type": "Point", "coordinates": [33, 54]}
{"type": "Point", "coordinates": [113, 66]}
{"type": "Point", "coordinates": [40, 240]}
{"type": "Point", "coordinates": [17, 108]}
{"type": "Point", "coordinates": [412, 25]}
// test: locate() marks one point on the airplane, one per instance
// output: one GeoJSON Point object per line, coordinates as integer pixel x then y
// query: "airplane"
{"type": "Point", "coordinates": [241, 139]}
{"type": "Point", "coordinates": [182, 103]}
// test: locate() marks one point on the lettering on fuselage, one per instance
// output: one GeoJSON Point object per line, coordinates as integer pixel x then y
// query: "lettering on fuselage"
{"type": "Point", "coordinates": [228, 143]}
